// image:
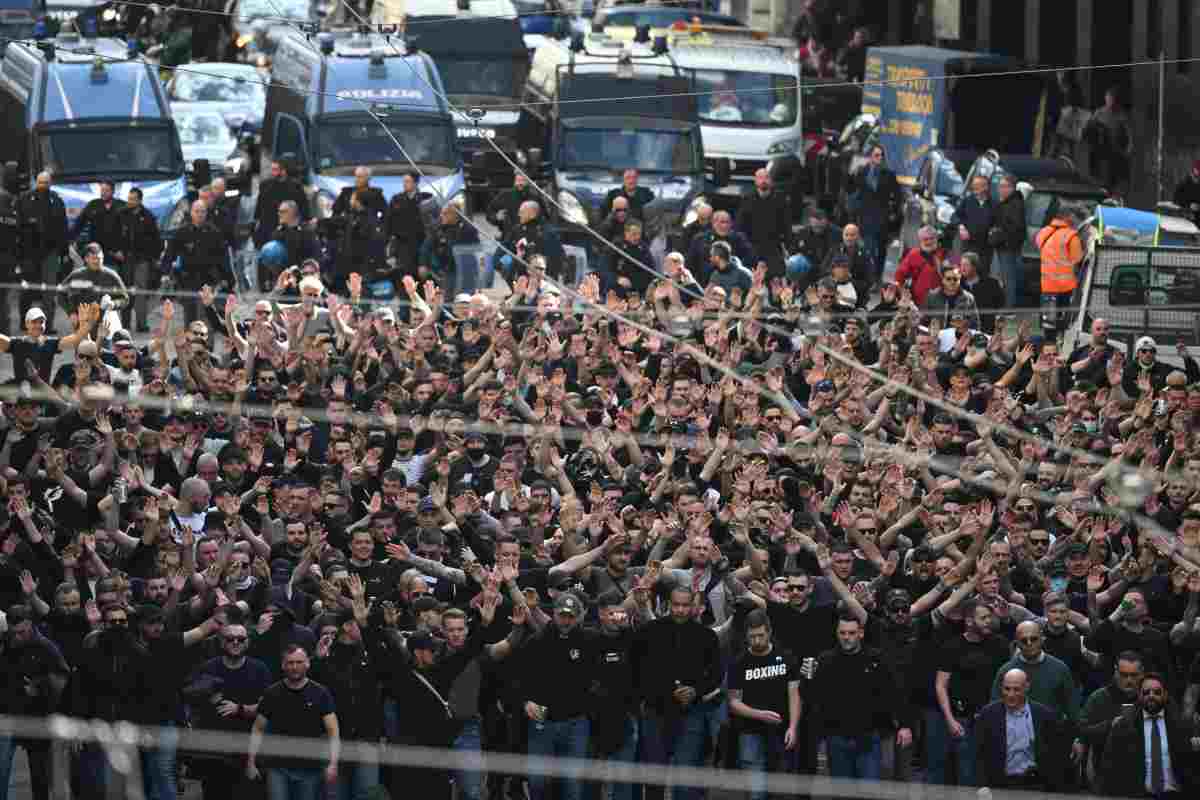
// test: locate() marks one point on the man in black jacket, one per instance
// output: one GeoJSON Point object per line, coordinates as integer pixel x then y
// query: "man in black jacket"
{"type": "Point", "coordinates": [973, 219]}
{"type": "Point", "coordinates": [874, 192]}
{"type": "Point", "coordinates": [43, 220]}
{"type": "Point", "coordinates": [1008, 236]}
{"type": "Point", "coordinates": [406, 224]}
{"type": "Point", "coordinates": [765, 217]}
{"type": "Point", "coordinates": [1020, 744]}
{"type": "Point", "coordinates": [559, 667]}
{"type": "Point", "coordinates": [111, 684]}
{"type": "Point", "coordinates": [504, 209]}
{"type": "Point", "coordinates": [987, 291]}
{"type": "Point", "coordinates": [140, 246]}
{"type": "Point", "coordinates": [677, 661]}
{"type": "Point", "coordinates": [200, 246]}
{"type": "Point", "coordinates": [627, 271]}
{"type": "Point", "coordinates": [272, 192]}
{"type": "Point", "coordinates": [369, 196]}
{"type": "Point", "coordinates": [638, 196]}
{"type": "Point", "coordinates": [299, 240]}
{"type": "Point", "coordinates": [100, 220]}
{"type": "Point", "coordinates": [1128, 772]}
{"type": "Point", "coordinates": [855, 693]}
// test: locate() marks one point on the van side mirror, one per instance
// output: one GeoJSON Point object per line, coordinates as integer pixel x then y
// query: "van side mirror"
{"type": "Point", "coordinates": [721, 171]}
{"type": "Point", "coordinates": [479, 161]}
{"type": "Point", "coordinates": [533, 162]}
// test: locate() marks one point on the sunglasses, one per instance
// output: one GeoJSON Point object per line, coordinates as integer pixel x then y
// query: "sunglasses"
{"type": "Point", "coordinates": [236, 639]}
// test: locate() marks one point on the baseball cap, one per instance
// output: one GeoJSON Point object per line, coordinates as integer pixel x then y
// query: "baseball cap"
{"type": "Point", "coordinates": [1077, 549]}
{"type": "Point", "coordinates": [304, 424]}
{"type": "Point", "coordinates": [150, 612]}
{"type": "Point", "coordinates": [121, 339]}
{"type": "Point", "coordinates": [1146, 343]}
{"type": "Point", "coordinates": [426, 506]}
{"type": "Point", "coordinates": [87, 348]}
{"type": "Point", "coordinates": [568, 603]}
{"type": "Point", "coordinates": [34, 313]}
{"type": "Point", "coordinates": [425, 603]}
{"type": "Point", "coordinates": [824, 386]}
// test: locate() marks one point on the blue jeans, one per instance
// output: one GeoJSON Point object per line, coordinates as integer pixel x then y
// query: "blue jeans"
{"type": "Point", "coordinates": [469, 781]}
{"type": "Point", "coordinates": [567, 738]}
{"type": "Point", "coordinates": [94, 771]}
{"type": "Point", "coordinates": [678, 741]}
{"type": "Point", "coordinates": [357, 779]}
{"type": "Point", "coordinates": [760, 754]}
{"type": "Point", "coordinates": [284, 783]}
{"type": "Point", "coordinates": [855, 757]}
{"type": "Point", "coordinates": [625, 752]}
{"type": "Point", "coordinates": [938, 740]}
{"type": "Point", "coordinates": [1009, 267]}
{"type": "Point", "coordinates": [158, 765]}
{"type": "Point", "coordinates": [38, 752]}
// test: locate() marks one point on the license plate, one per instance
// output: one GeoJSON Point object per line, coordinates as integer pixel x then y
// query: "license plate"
{"type": "Point", "coordinates": [477, 133]}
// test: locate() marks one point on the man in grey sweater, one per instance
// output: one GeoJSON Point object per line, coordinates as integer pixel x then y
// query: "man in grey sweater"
{"type": "Point", "coordinates": [1050, 680]}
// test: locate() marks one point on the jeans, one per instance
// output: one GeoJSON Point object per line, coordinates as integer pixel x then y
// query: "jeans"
{"type": "Point", "coordinates": [760, 754]}
{"type": "Point", "coordinates": [356, 779]}
{"type": "Point", "coordinates": [567, 738]}
{"type": "Point", "coordinates": [38, 752]}
{"type": "Point", "coordinates": [1009, 268]}
{"type": "Point", "coordinates": [158, 765]}
{"type": "Point", "coordinates": [855, 756]}
{"type": "Point", "coordinates": [678, 741]}
{"type": "Point", "coordinates": [938, 741]}
{"type": "Point", "coordinates": [285, 783]}
{"type": "Point", "coordinates": [468, 781]}
{"type": "Point", "coordinates": [1055, 318]}
{"type": "Point", "coordinates": [625, 752]}
{"type": "Point", "coordinates": [94, 771]}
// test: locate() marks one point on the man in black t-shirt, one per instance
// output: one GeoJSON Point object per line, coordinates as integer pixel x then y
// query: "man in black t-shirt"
{"type": "Point", "coordinates": [41, 349]}
{"type": "Point", "coordinates": [295, 706]}
{"type": "Point", "coordinates": [764, 699]}
{"type": "Point", "coordinates": [966, 667]}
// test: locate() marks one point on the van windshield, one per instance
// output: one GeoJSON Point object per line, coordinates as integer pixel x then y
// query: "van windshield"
{"type": "Point", "coordinates": [494, 78]}
{"type": "Point", "coordinates": [746, 98]}
{"type": "Point", "coordinates": [615, 149]}
{"type": "Point", "coordinates": [341, 144]}
{"type": "Point", "coordinates": [112, 152]}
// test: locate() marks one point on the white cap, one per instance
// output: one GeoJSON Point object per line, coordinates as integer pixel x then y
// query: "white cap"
{"type": "Point", "coordinates": [1145, 343]}
{"type": "Point", "coordinates": [34, 313]}
{"type": "Point", "coordinates": [462, 297]}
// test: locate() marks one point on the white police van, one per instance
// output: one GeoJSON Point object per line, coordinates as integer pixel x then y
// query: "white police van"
{"type": "Point", "coordinates": [81, 109]}
{"type": "Point", "coordinates": [321, 115]}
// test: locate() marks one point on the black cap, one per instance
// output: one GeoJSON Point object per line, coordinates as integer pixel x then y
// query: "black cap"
{"type": "Point", "coordinates": [148, 613]}
{"type": "Point", "coordinates": [1077, 549]}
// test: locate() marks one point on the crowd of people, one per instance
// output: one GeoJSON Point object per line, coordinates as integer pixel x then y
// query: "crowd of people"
{"type": "Point", "coordinates": [713, 514]}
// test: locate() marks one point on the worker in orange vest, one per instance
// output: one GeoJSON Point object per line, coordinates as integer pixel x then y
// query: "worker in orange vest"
{"type": "Point", "coordinates": [1062, 251]}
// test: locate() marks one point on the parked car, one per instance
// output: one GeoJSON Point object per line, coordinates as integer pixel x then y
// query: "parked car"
{"type": "Point", "coordinates": [203, 133]}
{"type": "Point", "coordinates": [235, 91]}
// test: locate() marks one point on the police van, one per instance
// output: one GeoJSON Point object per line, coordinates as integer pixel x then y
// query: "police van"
{"type": "Point", "coordinates": [749, 104]}
{"type": "Point", "coordinates": [320, 109]}
{"type": "Point", "coordinates": [81, 109]}
{"type": "Point", "coordinates": [483, 63]}
{"type": "Point", "coordinates": [595, 107]}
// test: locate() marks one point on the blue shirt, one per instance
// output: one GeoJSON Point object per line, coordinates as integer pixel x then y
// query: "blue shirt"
{"type": "Point", "coordinates": [1019, 729]}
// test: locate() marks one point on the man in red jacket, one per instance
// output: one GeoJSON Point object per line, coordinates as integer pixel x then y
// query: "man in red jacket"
{"type": "Point", "coordinates": [922, 266]}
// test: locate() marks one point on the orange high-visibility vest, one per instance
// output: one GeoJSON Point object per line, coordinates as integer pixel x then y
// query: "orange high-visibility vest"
{"type": "Point", "coordinates": [1061, 252]}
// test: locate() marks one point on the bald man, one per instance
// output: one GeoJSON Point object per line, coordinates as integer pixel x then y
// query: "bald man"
{"type": "Point", "coordinates": [370, 196]}
{"type": "Point", "coordinates": [1020, 743]}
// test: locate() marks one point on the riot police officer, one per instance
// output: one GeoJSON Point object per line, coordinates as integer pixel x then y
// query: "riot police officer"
{"type": "Point", "coordinates": [99, 222]}
{"type": "Point", "coordinates": [140, 247]}
{"type": "Point", "coordinates": [200, 249]}
{"type": "Point", "coordinates": [370, 197]}
{"type": "Point", "coordinates": [503, 211]}
{"type": "Point", "coordinates": [272, 193]}
{"type": "Point", "coordinates": [437, 254]}
{"type": "Point", "coordinates": [43, 219]}
{"type": "Point", "coordinates": [299, 240]}
{"type": "Point", "coordinates": [406, 225]}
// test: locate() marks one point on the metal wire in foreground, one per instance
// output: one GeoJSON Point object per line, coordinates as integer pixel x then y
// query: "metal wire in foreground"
{"type": "Point", "coordinates": [118, 740]}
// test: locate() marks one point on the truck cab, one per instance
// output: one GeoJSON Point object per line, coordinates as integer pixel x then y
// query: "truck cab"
{"type": "Point", "coordinates": [749, 106]}
{"type": "Point", "coordinates": [483, 63]}
{"type": "Point", "coordinates": [347, 100]}
{"type": "Point", "coordinates": [82, 110]}
{"type": "Point", "coordinates": [596, 107]}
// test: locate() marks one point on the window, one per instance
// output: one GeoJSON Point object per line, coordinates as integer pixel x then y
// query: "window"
{"type": "Point", "coordinates": [746, 98]}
